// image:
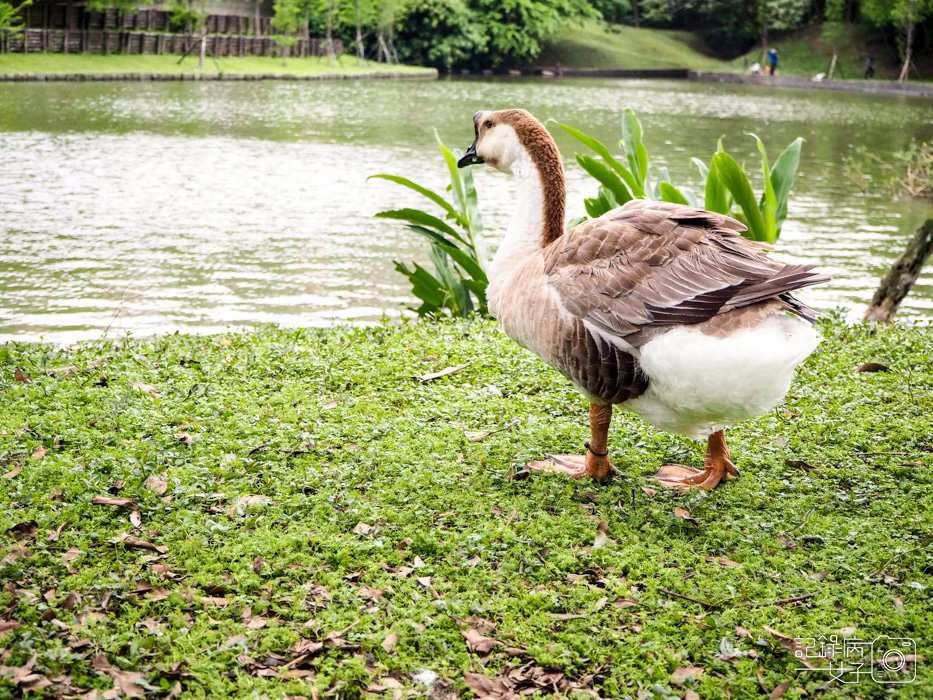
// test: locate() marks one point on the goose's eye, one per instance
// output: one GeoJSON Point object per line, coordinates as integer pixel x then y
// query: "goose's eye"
{"type": "Point", "coordinates": [488, 124]}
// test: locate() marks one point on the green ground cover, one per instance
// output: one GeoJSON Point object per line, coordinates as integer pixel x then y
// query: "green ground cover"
{"type": "Point", "coordinates": [99, 63]}
{"type": "Point", "coordinates": [621, 47]}
{"type": "Point", "coordinates": [305, 517]}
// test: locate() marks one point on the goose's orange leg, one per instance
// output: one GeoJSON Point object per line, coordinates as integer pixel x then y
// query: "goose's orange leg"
{"type": "Point", "coordinates": [718, 467]}
{"type": "Point", "coordinates": [595, 462]}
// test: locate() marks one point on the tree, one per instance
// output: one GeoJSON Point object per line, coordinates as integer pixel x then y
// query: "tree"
{"type": "Point", "coordinates": [11, 24]}
{"type": "Point", "coordinates": [285, 21]}
{"type": "Point", "coordinates": [779, 15]}
{"type": "Point", "coordinates": [903, 14]}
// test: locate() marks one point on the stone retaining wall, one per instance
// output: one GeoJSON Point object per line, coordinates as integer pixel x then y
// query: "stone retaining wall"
{"type": "Point", "coordinates": [868, 87]}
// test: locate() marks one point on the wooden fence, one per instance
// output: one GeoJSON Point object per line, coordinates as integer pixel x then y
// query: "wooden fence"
{"type": "Point", "coordinates": [117, 42]}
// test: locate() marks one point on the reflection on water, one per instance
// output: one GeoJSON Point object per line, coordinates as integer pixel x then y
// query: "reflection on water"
{"type": "Point", "coordinates": [162, 206]}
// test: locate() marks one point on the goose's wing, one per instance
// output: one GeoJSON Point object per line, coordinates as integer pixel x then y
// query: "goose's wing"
{"type": "Point", "coordinates": [648, 265]}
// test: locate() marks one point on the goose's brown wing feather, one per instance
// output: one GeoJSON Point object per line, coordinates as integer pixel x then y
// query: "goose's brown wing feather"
{"type": "Point", "coordinates": [650, 265]}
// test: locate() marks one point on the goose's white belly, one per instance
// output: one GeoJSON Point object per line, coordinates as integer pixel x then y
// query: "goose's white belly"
{"type": "Point", "coordinates": [699, 384]}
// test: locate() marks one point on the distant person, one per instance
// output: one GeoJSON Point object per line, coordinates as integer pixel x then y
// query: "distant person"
{"type": "Point", "coordinates": [870, 66]}
{"type": "Point", "coordinates": [772, 59]}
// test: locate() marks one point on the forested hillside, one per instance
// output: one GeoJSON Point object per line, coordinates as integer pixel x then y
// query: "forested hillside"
{"type": "Point", "coordinates": [474, 34]}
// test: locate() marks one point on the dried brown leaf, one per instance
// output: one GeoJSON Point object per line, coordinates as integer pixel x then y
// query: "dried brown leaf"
{"type": "Point", "coordinates": [362, 528]}
{"type": "Point", "coordinates": [131, 542]}
{"type": "Point", "coordinates": [388, 644]}
{"type": "Point", "coordinates": [477, 642]}
{"type": "Point", "coordinates": [478, 435]}
{"type": "Point", "coordinates": [144, 388]}
{"type": "Point", "coordinates": [160, 486]}
{"type": "Point", "coordinates": [107, 501]}
{"type": "Point", "coordinates": [40, 453]}
{"type": "Point", "coordinates": [871, 367]}
{"type": "Point", "coordinates": [19, 377]}
{"type": "Point", "coordinates": [779, 691]}
{"type": "Point", "coordinates": [819, 575]}
{"type": "Point", "coordinates": [680, 675]}
{"type": "Point", "coordinates": [13, 472]}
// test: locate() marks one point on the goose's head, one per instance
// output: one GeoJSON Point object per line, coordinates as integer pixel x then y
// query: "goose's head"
{"type": "Point", "coordinates": [504, 137]}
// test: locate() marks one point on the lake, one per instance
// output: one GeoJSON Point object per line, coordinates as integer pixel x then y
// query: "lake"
{"type": "Point", "coordinates": [154, 207]}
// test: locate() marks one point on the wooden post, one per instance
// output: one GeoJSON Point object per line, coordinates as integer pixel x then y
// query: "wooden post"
{"type": "Point", "coordinates": [902, 275]}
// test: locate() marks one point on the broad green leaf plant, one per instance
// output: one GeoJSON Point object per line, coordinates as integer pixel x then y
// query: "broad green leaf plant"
{"type": "Point", "coordinates": [459, 252]}
{"type": "Point", "coordinates": [727, 187]}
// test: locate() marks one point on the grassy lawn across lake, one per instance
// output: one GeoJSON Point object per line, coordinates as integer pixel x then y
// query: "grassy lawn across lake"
{"type": "Point", "coordinates": [621, 47]}
{"type": "Point", "coordinates": [296, 513]}
{"type": "Point", "coordinates": [166, 63]}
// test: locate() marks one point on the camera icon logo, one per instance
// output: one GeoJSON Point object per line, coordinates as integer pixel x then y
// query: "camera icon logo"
{"type": "Point", "coordinates": [893, 660]}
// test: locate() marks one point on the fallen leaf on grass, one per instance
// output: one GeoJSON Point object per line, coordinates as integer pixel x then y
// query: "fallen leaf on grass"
{"type": "Point", "coordinates": [362, 528]}
{"type": "Point", "coordinates": [70, 554]}
{"type": "Point", "coordinates": [135, 519]}
{"type": "Point", "coordinates": [680, 675]}
{"type": "Point", "coordinates": [388, 644]}
{"type": "Point", "coordinates": [779, 691]}
{"type": "Point", "coordinates": [651, 493]}
{"type": "Point", "coordinates": [19, 377]}
{"type": "Point", "coordinates": [185, 438]}
{"type": "Point", "coordinates": [13, 472]}
{"type": "Point", "coordinates": [40, 453]}
{"type": "Point", "coordinates": [799, 464]}
{"type": "Point", "coordinates": [7, 626]}
{"type": "Point", "coordinates": [144, 388]}
{"type": "Point", "coordinates": [477, 642]}
{"type": "Point", "coordinates": [795, 646]}
{"type": "Point", "coordinates": [478, 436]}
{"type": "Point", "coordinates": [107, 501]}
{"type": "Point", "coordinates": [23, 530]}
{"type": "Point", "coordinates": [871, 367]}
{"type": "Point", "coordinates": [685, 514]}
{"type": "Point", "coordinates": [160, 486]}
{"type": "Point", "coordinates": [899, 604]}
{"type": "Point", "coordinates": [443, 373]}
{"type": "Point", "coordinates": [329, 405]}
{"type": "Point", "coordinates": [131, 542]}
{"type": "Point", "coordinates": [819, 575]}
{"type": "Point", "coordinates": [623, 603]}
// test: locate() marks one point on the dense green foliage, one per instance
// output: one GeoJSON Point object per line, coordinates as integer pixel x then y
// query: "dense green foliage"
{"type": "Point", "coordinates": [254, 458]}
{"type": "Point", "coordinates": [458, 250]}
{"type": "Point", "coordinates": [727, 189]}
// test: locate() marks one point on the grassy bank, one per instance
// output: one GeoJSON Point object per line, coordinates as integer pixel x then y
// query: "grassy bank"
{"type": "Point", "coordinates": [806, 53]}
{"type": "Point", "coordinates": [252, 65]}
{"type": "Point", "coordinates": [620, 47]}
{"type": "Point", "coordinates": [309, 516]}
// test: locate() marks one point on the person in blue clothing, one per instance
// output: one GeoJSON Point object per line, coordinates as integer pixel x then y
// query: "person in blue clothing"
{"type": "Point", "coordinates": [772, 57]}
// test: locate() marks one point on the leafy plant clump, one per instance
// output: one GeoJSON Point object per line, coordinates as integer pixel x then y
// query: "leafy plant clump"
{"type": "Point", "coordinates": [727, 188]}
{"type": "Point", "coordinates": [909, 174]}
{"type": "Point", "coordinates": [458, 252]}
{"type": "Point", "coordinates": [331, 513]}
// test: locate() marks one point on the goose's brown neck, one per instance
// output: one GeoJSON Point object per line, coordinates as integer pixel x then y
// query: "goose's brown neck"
{"type": "Point", "coordinates": [543, 152]}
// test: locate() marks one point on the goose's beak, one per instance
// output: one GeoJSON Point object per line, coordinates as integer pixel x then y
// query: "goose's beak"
{"type": "Point", "coordinates": [470, 157]}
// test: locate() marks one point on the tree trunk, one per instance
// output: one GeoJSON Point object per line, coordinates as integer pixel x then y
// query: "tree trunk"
{"type": "Point", "coordinates": [910, 42]}
{"type": "Point", "coordinates": [330, 32]}
{"type": "Point", "coordinates": [764, 47]}
{"type": "Point", "coordinates": [832, 65]}
{"type": "Point", "coordinates": [902, 275]}
{"type": "Point", "coordinates": [359, 31]}
{"type": "Point", "coordinates": [635, 12]}
{"type": "Point", "coordinates": [256, 30]}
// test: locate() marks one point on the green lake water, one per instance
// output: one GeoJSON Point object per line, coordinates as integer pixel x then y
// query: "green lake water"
{"type": "Point", "coordinates": [154, 207]}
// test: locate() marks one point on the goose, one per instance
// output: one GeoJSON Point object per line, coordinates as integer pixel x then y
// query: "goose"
{"type": "Point", "coordinates": [662, 309]}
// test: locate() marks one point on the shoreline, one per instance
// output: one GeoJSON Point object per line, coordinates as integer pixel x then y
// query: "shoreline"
{"type": "Point", "coordinates": [426, 74]}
